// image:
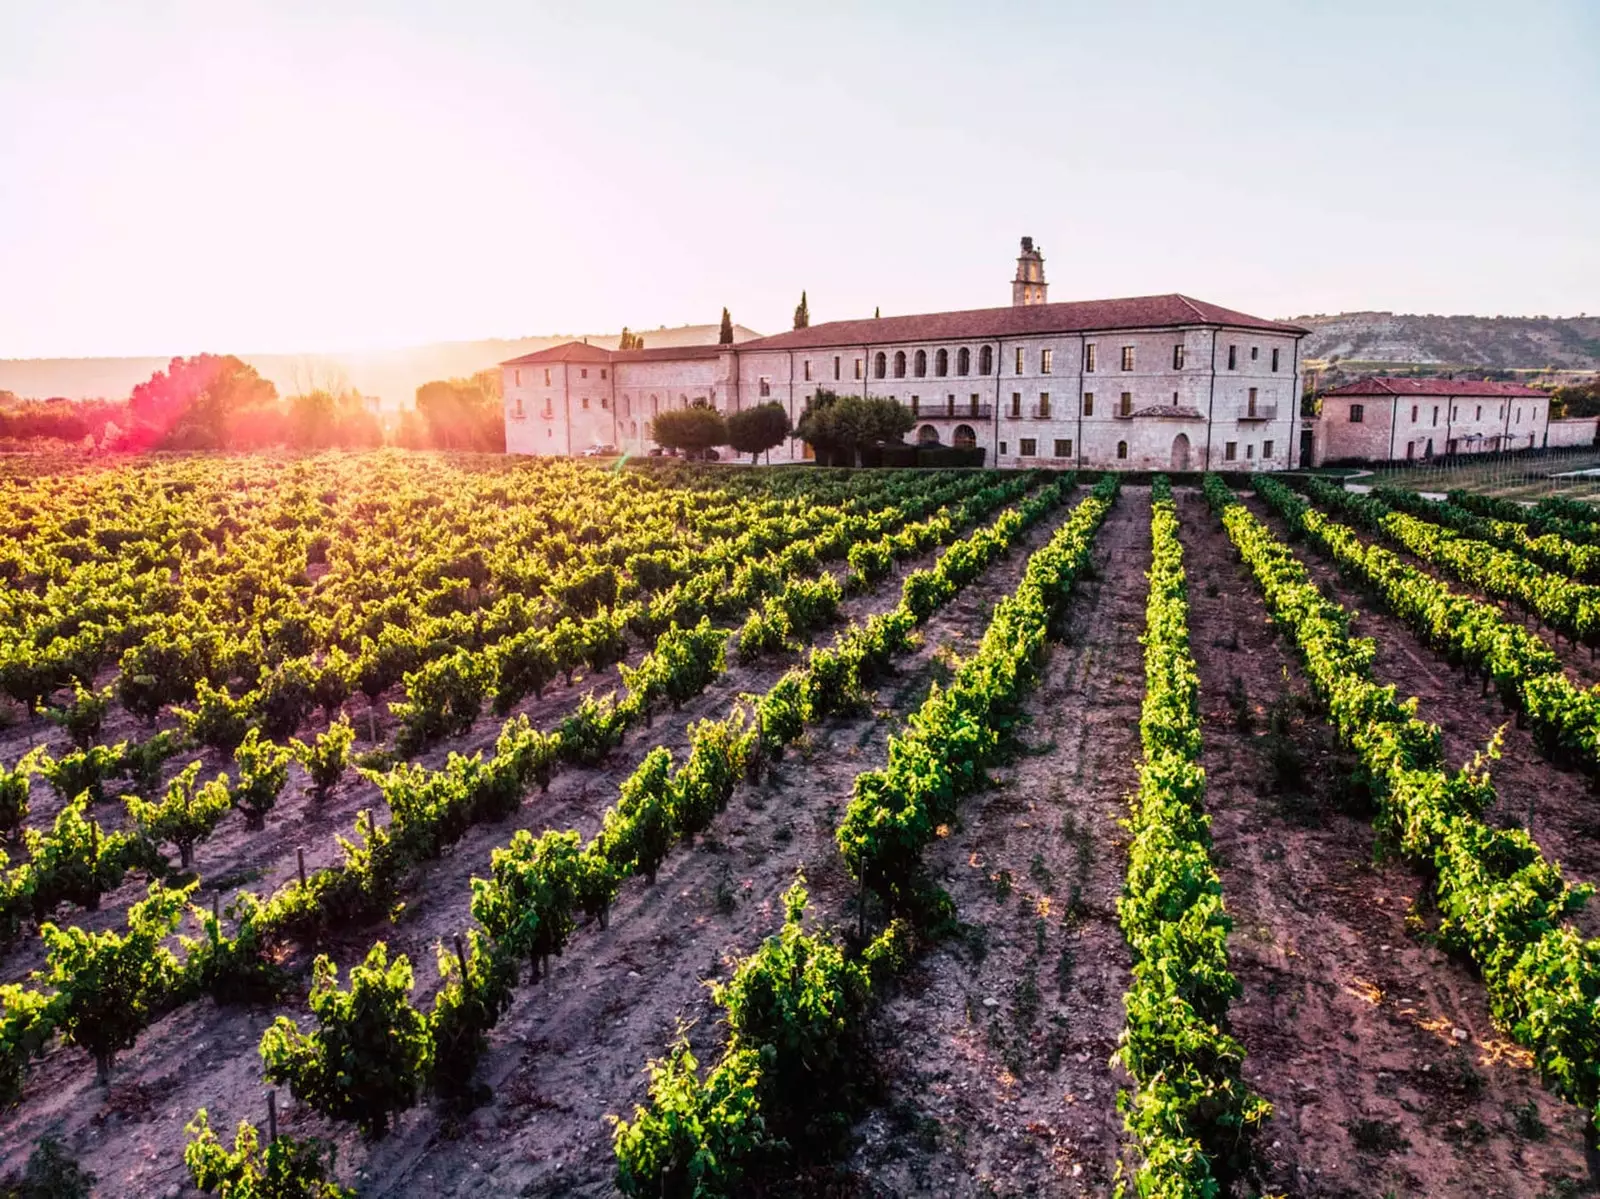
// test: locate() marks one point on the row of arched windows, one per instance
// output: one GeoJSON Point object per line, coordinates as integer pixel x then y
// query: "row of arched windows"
{"type": "Point", "coordinates": [941, 363]}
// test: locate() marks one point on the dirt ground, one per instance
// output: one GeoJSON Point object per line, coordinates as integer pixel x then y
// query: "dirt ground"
{"type": "Point", "coordinates": [997, 1049]}
{"type": "Point", "coordinates": [572, 1049]}
{"type": "Point", "coordinates": [1376, 1050]}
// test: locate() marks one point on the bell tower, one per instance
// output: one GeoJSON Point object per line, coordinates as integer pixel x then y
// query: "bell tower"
{"type": "Point", "coordinates": [1029, 286]}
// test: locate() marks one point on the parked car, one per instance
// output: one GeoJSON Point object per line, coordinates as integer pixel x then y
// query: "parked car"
{"type": "Point", "coordinates": [600, 450]}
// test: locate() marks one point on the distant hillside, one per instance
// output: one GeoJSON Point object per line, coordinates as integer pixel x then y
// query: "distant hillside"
{"type": "Point", "coordinates": [1516, 343]}
{"type": "Point", "coordinates": [391, 375]}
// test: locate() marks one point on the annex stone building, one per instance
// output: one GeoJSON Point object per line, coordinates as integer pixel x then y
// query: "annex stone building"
{"type": "Point", "coordinates": [1161, 382]}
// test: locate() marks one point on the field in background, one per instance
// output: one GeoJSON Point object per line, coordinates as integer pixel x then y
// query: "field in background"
{"type": "Point", "coordinates": [1568, 473]}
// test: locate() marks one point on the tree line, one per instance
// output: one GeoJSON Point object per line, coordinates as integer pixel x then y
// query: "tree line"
{"type": "Point", "coordinates": [218, 402]}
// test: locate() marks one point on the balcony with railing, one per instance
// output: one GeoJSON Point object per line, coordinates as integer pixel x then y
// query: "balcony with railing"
{"type": "Point", "coordinates": [961, 410]}
{"type": "Point", "coordinates": [1260, 412]}
{"type": "Point", "coordinates": [1043, 411]}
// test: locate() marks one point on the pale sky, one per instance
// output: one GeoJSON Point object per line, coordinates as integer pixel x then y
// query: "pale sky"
{"type": "Point", "coordinates": [188, 175]}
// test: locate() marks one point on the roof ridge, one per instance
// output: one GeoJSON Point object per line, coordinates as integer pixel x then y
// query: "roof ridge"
{"type": "Point", "coordinates": [1194, 305]}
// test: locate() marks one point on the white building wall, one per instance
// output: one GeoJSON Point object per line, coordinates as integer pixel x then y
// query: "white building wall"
{"type": "Point", "coordinates": [1086, 434]}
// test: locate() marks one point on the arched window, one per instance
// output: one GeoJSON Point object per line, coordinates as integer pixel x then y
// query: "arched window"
{"type": "Point", "coordinates": [1122, 449]}
{"type": "Point", "coordinates": [963, 361]}
{"type": "Point", "coordinates": [899, 364]}
{"type": "Point", "coordinates": [921, 367]}
{"type": "Point", "coordinates": [941, 363]}
{"type": "Point", "coordinates": [927, 435]}
{"type": "Point", "coordinates": [986, 360]}
{"type": "Point", "coordinates": [655, 406]}
{"type": "Point", "coordinates": [880, 365]}
{"type": "Point", "coordinates": [964, 437]}
{"type": "Point", "coordinates": [627, 405]}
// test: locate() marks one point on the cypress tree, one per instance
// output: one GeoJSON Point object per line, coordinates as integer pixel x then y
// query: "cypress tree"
{"type": "Point", "coordinates": [802, 314]}
{"type": "Point", "coordinates": [725, 334]}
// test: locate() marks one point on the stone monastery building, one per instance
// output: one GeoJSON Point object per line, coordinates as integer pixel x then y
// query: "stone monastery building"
{"type": "Point", "coordinates": [1151, 382]}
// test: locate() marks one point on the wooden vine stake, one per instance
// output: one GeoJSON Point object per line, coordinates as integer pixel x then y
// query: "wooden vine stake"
{"type": "Point", "coordinates": [300, 860]}
{"type": "Point", "coordinates": [272, 1116]}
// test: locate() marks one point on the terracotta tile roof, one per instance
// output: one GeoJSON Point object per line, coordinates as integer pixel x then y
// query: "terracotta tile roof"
{"type": "Point", "coordinates": [1087, 316]}
{"type": "Point", "coordinates": [1378, 385]}
{"type": "Point", "coordinates": [653, 354]}
{"type": "Point", "coordinates": [569, 351]}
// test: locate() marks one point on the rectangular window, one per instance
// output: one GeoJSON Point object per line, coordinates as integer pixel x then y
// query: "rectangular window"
{"type": "Point", "coordinates": [1436, 414]}
{"type": "Point", "coordinates": [605, 403]}
{"type": "Point", "coordinates": [548, 411]}
{"type": "Point", "coordinates": [1255, 353]}
{"type": "Point", "coordinates": [1126, 407]}
{"type": "Point", "coordinates": [916, 405]}
{"type": "Point", "coordinates": [1266, 449]}
{"type": "Point", "coordinates": [1275, 353]}
{"type": "Point", "coordinates": [836, 366]}
{"type": "Point", "coordinates": [1088, 357]}
{"type": "Point", "coordinates": [1044, 405]}
{"type": "Point", "coordinates": [1029, 447]}
{"type": "Point", "coordinates": [950, 405]}
{"type": "Point", "coordinates": [1233, 358]}
{"type": "Point", "coordinates": [764, 387]}
{"type": "Point", "coordinates": [1127, 358]}
{"type": "Point", "coordinates": [1088, 403]}
{"type": "Point", "coordinates": [1479, 416]}
{"type": "Point", "coordinates": [808, 370]}
{"type": "Point", "coordinates": [602, 372]}
{"type": "Point", "coordinates": [1413, 414]}
{"type": "Point", "coordinates": [1357, 411]}
{"type": "Point", "coordinates": [1002, 447]}
{"type": "Point", "coordinates": [517, 376]}
{"type": "Point", "coordinates": [1230, 451]}
{"type": "Point", "coordinates": [1047, 359]}
{"type": "Point", "coordinates": [547, 376]}
{"type": "Point", "coordinates": [1252, 401]}
{"type": "Point", "coordinates": [972, 403]}
{"type": "Point", "coordinates": [1177, 357]}
{"type": "Point", "coordinates": [1453, 412]}
{"type": "Point", "coordinates": [1063, 447]}
{"type": "Point", "coordinates": [1021, 359]}
{"type": "Point", "coordinates": [1250, 450]}
{"type": "Point", "coordinates": [517, 411]}
{"type": "Point", "coordinates": [583, 372]}
{"type": "Point", "coordinates": [858, 368]}
{"type": "Point", "coordinates": [585, 402]}
{"type": "Point", "coordinates": [1016, 403]}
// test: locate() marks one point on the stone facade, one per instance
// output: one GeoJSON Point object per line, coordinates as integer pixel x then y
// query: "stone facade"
{"type": "Point", "coordinates": [1153, 382]}
{"type": "Point", "coordinates": [1401, 419]}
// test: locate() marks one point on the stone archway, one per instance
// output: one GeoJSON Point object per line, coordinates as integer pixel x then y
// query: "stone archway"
{"type": "Point", "coordinates": [927, 435]}
{"type": "Point", "coordinates": [1180, 452]}
{"type": "Point", "coordinates": [965, 437]}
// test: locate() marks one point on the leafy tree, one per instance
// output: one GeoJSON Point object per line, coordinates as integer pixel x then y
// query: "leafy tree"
{"type": "Point", "coordinates": [802, 313]}
{"type": "Point", "coordinates": [840, 426]}
{"type": "Point", "coordinates": [287, 1168]}
{"type": "Point", "coordinates": [757, 429]}
{"type": "Point", "coordinates": [460, 414]}
{"type": "Point", "coordinates": [725, 333]}
{"type": "Point", "coordinates": [693, 430]}
{"type": "Point", "coordinates": [186, 816]}
{"type": "Point", "coordinates": [370, 1054]}
{"type": "Point", "coordinates": [108, 983]}
{"type": "Point", "coordinates": [198, 403]}
{"type": "Point", "coordinates": [629, 341]}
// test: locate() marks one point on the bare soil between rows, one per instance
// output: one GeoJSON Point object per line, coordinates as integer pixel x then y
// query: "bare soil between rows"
{"type": "Point", "coordinates": [1376, 1049]}
{"type": "Point", "coordinates": [572, 1049]}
